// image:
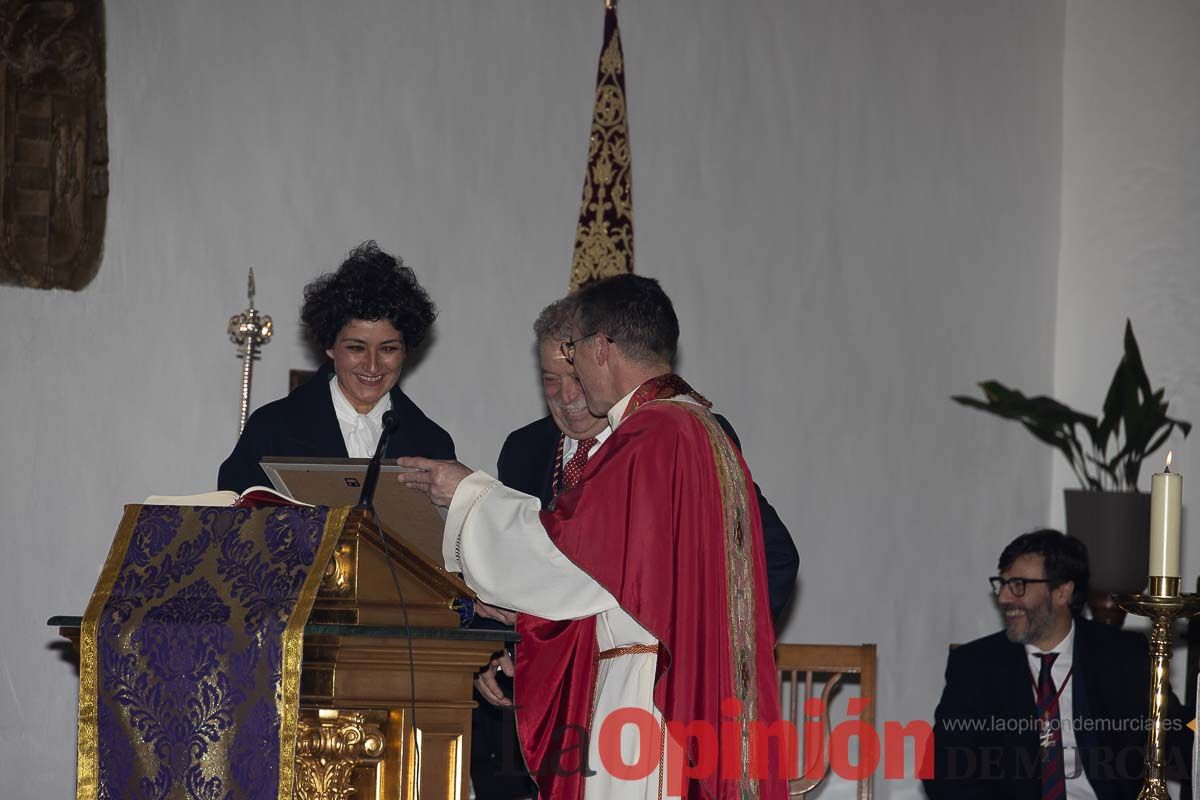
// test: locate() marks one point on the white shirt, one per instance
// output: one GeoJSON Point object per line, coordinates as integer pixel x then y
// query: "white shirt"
{"type": "Point", "coordinates": [618, 410]}
{"type": "Point", "coordinates": [571, 445]}
{"type": "Point", "coordinates": [1078, 787]}
{"type": "Point", "coordinates": [361, 432]}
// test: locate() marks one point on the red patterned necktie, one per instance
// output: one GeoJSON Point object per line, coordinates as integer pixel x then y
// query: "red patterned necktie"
{"type": "Point", "coordinates": [1054, 781]}
{"type": "Point", "coordinates": [573, 471]}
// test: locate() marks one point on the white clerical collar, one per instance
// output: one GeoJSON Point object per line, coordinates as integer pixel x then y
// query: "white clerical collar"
{"type": "Point", "coordinates": [618, 410]}
{"type": "Point", "coordinates": [1067, 645]}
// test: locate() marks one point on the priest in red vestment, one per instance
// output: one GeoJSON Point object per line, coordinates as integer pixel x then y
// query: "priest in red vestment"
{"type": "Point", "coordinates": [641, 591]}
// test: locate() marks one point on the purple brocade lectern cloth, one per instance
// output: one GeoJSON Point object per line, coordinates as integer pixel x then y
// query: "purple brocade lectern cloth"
{"type": "Point", "coordinates": [189, 679]}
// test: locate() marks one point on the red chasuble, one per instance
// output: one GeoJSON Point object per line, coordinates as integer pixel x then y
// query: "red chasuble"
{"type": "Point", "coordinates": [665, 520]}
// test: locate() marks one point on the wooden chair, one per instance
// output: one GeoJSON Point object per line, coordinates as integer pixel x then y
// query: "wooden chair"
{"type": "Point", "coordinates": [805, 666]}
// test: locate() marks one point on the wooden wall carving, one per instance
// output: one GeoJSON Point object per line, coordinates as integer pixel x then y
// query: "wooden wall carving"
{"type": "Point", "coordinates": [54, 129]}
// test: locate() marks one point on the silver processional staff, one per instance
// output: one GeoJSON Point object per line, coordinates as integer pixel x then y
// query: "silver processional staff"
{"type": "Point", "coordinates": [248, 330]}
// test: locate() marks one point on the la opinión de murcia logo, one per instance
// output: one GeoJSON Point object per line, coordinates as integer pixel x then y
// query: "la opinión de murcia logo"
{"type": "Point", "coordinates": [853, 748]}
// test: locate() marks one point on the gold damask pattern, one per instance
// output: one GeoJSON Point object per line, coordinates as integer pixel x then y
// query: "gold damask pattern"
{"type": "Point", "coordinates": [739, 576]}
{"type": "Point", "coordinates": [604, 236]}
{"type": "Point", "coordinates": [191, 649]}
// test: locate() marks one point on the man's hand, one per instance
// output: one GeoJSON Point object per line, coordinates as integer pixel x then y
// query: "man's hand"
{"type": "Point", "coordinates": [503, 615]}
{"type": "Point", "coordinates": [485, 681]}
{"type": "Point", "coordinates": [438, 479]}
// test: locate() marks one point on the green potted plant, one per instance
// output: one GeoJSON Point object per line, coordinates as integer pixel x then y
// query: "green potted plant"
{"type": "Point", "coordinates": [1108, 513]}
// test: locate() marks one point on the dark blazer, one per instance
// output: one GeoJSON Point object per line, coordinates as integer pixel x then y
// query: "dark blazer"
{"type": "Point", "coordinates": [305, 424]}
{"type": "Point", "coordinates": [989, 689]}
{"type": "Point", "coordinates": [526, 464]}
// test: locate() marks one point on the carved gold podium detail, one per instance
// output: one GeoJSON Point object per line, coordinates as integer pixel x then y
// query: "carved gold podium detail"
{"type": "Point", "coordinates": [339, 572]}
{"type": "Point", "coordinates": [331, 745]}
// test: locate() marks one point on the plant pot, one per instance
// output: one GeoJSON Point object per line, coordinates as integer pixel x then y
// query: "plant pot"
{"type": "Point", "coordinates": [1115, 526]}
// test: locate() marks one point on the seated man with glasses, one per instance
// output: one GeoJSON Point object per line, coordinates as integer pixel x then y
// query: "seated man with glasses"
{"type": "Point", "coordinates": [1055, 705]}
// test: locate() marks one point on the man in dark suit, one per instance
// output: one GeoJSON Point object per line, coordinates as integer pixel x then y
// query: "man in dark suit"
{"type": "Point", "coordinates": [540, 459]}
{"type": "Point", "coordinates": [1054, 705]}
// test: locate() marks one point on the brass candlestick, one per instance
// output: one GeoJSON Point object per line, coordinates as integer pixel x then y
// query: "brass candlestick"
{"type": "Point", "coordinates": [1163, 605]}
{"type": "Point", "coordinates": [248, 330]}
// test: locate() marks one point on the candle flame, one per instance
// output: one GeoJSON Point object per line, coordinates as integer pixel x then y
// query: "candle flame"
{"type": "Point", "coordinates": [1170, 454]}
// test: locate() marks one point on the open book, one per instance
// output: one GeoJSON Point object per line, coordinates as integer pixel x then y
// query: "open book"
{"type": "Point", "coordinates": [254, 497]}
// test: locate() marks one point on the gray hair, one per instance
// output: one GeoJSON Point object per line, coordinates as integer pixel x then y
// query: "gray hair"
{"type": "Point", "coordinates": [555, 321]}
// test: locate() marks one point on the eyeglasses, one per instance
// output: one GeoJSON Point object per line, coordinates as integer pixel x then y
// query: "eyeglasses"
{"type": "Point", "coordinates": [567, 348]}
{"type": "Point", "coordinates": [1015, 585]}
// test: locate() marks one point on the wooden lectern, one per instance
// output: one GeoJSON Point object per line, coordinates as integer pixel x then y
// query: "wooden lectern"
{"type": "Point", "coordinates": [367, 670]}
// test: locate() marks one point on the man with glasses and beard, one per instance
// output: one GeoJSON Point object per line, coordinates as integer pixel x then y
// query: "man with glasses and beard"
{"type": "Point", "coordinates": [1055, 705]}
{"type": "Point", "coordinates": [543, 459]}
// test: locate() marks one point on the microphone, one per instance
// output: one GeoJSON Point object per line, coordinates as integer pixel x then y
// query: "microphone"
{"type": "Point", "coordinates": [366, 500]}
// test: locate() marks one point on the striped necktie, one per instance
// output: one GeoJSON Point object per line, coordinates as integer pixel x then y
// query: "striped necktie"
{"type": "Point", "coordinates": [1054, 781]}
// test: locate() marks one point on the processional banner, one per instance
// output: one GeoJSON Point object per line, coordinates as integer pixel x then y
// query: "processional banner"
{"type": "Point", "coordinates": [190, 651]}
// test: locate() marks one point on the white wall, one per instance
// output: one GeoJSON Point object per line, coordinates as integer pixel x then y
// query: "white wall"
{"type": "Point", "coordinates": [854, 204]}
{"type": "Point", "coordinates": [1131, 210]}
{"type": "Point", "coordinates": [1131, 220]}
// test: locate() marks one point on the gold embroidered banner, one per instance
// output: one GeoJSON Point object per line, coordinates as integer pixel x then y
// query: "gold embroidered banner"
{"type": "Point", "coordinates": [189, 678]}
{"type": "Point", "coordinates": [604, 235]}
{"type": "Point", "coordinates": [54, 133]}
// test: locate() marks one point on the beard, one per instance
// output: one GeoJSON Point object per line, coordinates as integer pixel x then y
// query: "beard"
{"type": "Point", "coordinates": [1031, 626]}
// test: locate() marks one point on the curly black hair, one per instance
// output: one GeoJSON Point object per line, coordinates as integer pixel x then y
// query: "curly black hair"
{"type": "Point", "coordinates": [369, 285]}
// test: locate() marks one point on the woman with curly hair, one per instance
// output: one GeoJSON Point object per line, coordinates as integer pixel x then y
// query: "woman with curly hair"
{"type": "Point", "coordinates": [366, 317]}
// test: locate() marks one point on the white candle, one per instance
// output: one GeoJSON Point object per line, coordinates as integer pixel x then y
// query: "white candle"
{"type": "Point", "coordinates": [1166, 502]}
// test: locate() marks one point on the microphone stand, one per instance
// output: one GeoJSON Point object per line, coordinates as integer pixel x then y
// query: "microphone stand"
{"type": "Point", "coordinates": [366, 500]}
